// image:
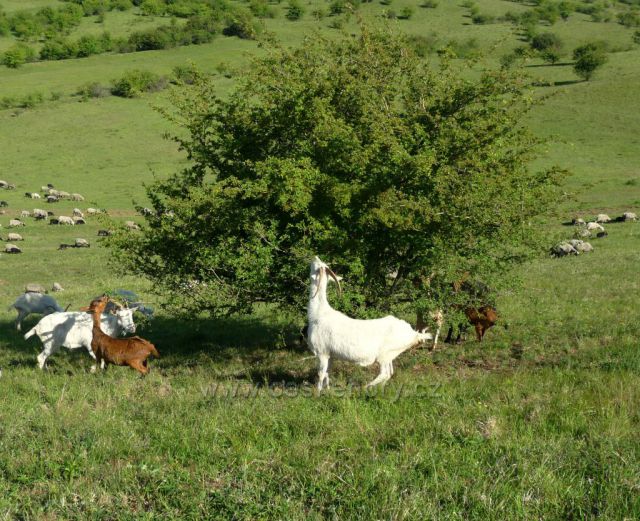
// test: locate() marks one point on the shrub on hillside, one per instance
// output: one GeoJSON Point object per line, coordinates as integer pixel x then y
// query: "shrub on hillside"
{"type": "Point", "coordinates": [429, 4]}
{"type": "Point", "coordinates": [59, 49]}
{"type": "Point", "coordinates": [135, 82]}
{"type": "Point", "coordinates": [294, 10]}
{"type": "Point", "coordinates": [18, 55]}
{"type": "Point", "coordinates": [629, 18]}
{"type": "Point", "coordinates": [482, 19]}
{"type": "Point", "coordinates": [262, 9]}
{"type": "Point", "coordinates": [358, 151]}
{"type": "Point", "coordinates": [424, 45]}
{"type": "Point", "coordinates": [406, 12]}
{"type": "Point", "coordinates": [243, 25]}
{"type": "Point", "coordinates": [548, 46]}
{"type": "Point", "coordinates": [93, 90]}
{"type": "Point", "coordinates": [588, 58]}
{"type": "Point", "coordinates": [152, 7]}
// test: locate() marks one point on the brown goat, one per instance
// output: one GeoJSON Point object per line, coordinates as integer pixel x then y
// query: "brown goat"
{"type": "Point", "coordinates": [132, 351]}
{"type": "Point", "coordinates": [482, 319]}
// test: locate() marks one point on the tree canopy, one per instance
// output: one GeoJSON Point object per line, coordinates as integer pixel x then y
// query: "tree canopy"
{"type": "Point", "coordinates": [403, 175]}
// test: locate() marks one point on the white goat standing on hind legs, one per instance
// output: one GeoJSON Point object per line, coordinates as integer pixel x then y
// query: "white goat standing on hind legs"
{"type": "Point", "coordinates": [332, 334]}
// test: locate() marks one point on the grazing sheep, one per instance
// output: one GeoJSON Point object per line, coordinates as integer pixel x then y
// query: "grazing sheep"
{"type": "Point", "coordinates": [53, 192]}
{"type": "Point", "coordinates": [11, 186]}
{"type": "Point", "coordinates": [57, 287]}
{"type": "Point", "coordinates": [132, 351]}
{"type": "Point", "coordinates": [64, 246]}
{"type": "Point", "coordinates": [3, 184]}
{"type": "Point", "coordinates": [77, 197]}
{"type": "Point", "coordinates": [146, 211]}
{"type": "Point", "coordinates": [82, 243]}
{"type": "Point", "coordinates": [629, 216]}
{"type": "Point", "coordinates": [14, 223]}
{"type": "Point", "coordinates": [4, 204]}
{"type": "Point", "coordinates": [603, 218]}
{"type": "Point", "coordinates": [28, 303]}
{"type": "Point", "coordinates": [33, 287]}
{"type": "Point", "coordinates": [32, 195]}
{"type": "Point", "coordinates": [54, 221]}
{"type": "Point", "coordinates": [563, 249]}
{"type": "Point", "coordinates": [73, 330]}
{"type": "Point", "coordinates": [64, 195]}
{"type": "Point", "coordinates": [50, 213]}
{"type": "Point", "coordinates": [14, 237]}
{"type": "Point", "coordinates": [601, 235]}
{"type": "Point", "coordinates": [335, 335]}
{"type": "Point", "coordinates": [52, 199]}
{"type": "Point", "coordinates": [44, 189]}
{"type": "Point", "coordinates": [25, 213]}
{"type": "Point", "coordinates": [11, 248]}
{"type": "Point", "coordinates": [77, 212]}
{"type": "Point", "coordinates": [79, 220]}
{"type": "Point", "coordinates": [130, 225]}
{"type": "Point", "coordinates": [577, 221]}
{"type": "Point", "coordinates": [93, 211]}
{"type": "Point", "coordinates": [595, 226]}
{"type": "Point", "coordinates": [39, 214]}
{"type": "Point", "coordinates": [63, 219]}
{"type": "Point", "coordinates": [104, 233]}
{"type": "Point", "coordinates": [585, 247]}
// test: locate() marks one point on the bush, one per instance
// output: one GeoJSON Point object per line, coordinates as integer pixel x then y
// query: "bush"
{"type": "Point", "coordinates": [429, 4]}
{"type": "Point", "coordinates": [242, 25]}
{"type": "Point", "coordinates": [294, 10]}
{"type": "Point", "coordinates": [152, 7]}
{"type": "Point", "coordinates": [629, 19]}
{"type": "Point", "coordinates": [482, 19]}
{"type": "Point", "coordinates": [318, 152]}
{"type": "Point", "coordinates": [59, 49]}
{"type": "Point", "coordinates": [548, 46]}
{"type": "Point", "coordinates": [424, 45]}
{"type": "Point", "coordinates": [589, 58]}
{"type": "Point", "coordinates": [262, 9]}
{"type": "Point", "coordinates": [636, 37]}
{"type": "Point", "coordinates": [93, 90]}
{"type": "Point", "coordinates": [89, 45]}
{"type": "Point", "coordinates": [406, 12]}
{"type": "Point", "coordinates": [319, 13]}
{"type": "Point", "coordinates": [186, 74]}
{"type": "Point", "coordinates": [135, 82]}
{"type": "Point", "coordinates": [18, 55]}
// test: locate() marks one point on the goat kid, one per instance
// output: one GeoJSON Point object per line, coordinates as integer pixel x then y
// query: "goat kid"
{"type": "Point", "coordinates": [132, 351]}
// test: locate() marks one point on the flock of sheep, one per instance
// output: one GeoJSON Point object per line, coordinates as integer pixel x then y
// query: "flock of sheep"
{"type": "Point", "coordinates": [585, 230]}
{"type": "Point", "coordinates": [51, 195]}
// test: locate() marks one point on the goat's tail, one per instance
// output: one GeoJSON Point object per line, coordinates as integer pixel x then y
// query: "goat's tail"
{"type": "Point", "coordinates": [30, 333]}
{"type": "Point", "coordinates": [154, 351]}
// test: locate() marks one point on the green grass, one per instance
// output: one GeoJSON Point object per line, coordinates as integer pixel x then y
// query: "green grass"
{"type": "Point", "coordinates": [539, 422]}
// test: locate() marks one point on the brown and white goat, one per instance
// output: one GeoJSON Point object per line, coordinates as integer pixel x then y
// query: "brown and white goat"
{"type": "Point", "coordinates": [132, 351]}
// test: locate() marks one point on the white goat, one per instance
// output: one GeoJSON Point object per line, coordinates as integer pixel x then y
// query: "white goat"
{"type": "Point", "coordinates": [33, 303]}
{"type": "Point", "coordinates": [64, 219]}
{"type": "Point", "coordinates": [332, 334]}
{"type": "Point", "coordinates": [73, 330]}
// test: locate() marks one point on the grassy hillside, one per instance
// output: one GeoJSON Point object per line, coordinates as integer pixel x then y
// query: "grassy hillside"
{"type": "Point", "coordinates": [539, 422]}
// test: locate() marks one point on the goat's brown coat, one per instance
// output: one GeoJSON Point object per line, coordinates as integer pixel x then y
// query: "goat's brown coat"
{"type": "Point", "coordinates": [132, 351]}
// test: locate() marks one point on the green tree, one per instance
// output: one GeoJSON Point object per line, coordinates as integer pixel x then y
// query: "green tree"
{"type": "Point", "coordinates": [548, 46]}
{"type": "Point", "coordinates": [588, 58]}
{"type": "Point", "coordinates": [402, 175]}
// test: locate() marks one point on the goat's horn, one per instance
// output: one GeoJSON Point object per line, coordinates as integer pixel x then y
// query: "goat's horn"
{"type": "Point", "coordinates": [321, 272]}
{"type": "Point", "coordinates": [335, 277]}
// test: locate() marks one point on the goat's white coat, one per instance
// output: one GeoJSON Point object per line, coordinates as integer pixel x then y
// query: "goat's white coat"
{"type": "Point", "coordinates": [332, 334]}
{"type": "Point", "coordinates": [33, 303]}
{"type": "Point", "coordinates": [74, 329]}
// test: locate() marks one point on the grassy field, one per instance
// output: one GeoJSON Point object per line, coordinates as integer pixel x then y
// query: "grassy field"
{"type": "Point", "coordinates": [539, 422]}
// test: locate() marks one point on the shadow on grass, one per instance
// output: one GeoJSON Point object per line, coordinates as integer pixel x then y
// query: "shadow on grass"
{"type": "Point", "coordinates": [181, 343]}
